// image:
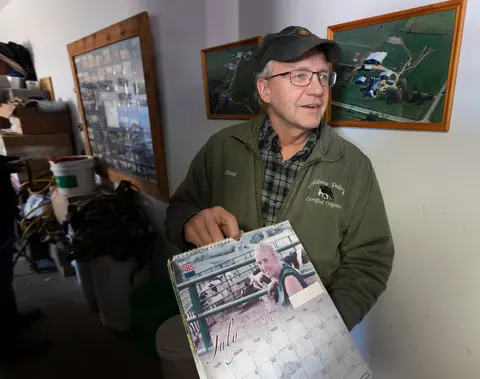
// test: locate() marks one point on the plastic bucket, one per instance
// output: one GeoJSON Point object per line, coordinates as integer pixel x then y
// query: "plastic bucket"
{"type": "Point", "coordinates": [85, 275]}
{"type": "Point", "coordinates": [74, 176]}
{"type": "Point", "coordinates": [151, 304]}
{"type": "Point", "coordinates": [16, 82]}
{"type": "Point", "coordinates": [174, 351]}
{"type": "Point", "coordinates": [113, 289]}
{"type": "Point", "coordinates": [77, 272]}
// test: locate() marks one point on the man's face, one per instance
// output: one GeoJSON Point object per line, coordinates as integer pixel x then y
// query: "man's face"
{"type": "Point", "coordinates": [300, 107]}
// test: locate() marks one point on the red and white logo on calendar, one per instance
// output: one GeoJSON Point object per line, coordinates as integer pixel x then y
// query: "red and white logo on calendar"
{"type": "Point", "coordinates": [188, 270]}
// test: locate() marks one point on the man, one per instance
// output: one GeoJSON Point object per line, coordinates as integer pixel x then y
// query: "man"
{"type": "Point", "coordinates": [288, 164]}
{"type": "Point", "coordinates": [13, 345]}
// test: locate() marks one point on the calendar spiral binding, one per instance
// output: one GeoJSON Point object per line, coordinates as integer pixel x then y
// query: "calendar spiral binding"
{"type": "Point", "coordinates": [226, 241]}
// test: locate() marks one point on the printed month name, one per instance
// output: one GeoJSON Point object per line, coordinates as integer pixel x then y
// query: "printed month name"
{"type": "Point", "coordinates": [222, 346]}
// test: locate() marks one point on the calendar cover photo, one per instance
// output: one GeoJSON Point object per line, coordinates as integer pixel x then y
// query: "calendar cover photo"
{"type": "Point", "coordinates": [256, 308]}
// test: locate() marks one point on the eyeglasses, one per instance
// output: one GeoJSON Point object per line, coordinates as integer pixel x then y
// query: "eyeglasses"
{"type": "Point", "coordinates": [303, 78]}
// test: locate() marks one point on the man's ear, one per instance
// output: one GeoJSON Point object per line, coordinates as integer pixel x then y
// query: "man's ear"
{"type": "Point", "coordinates": [263, 90]}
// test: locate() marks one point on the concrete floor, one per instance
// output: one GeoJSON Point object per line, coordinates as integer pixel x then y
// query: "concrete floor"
{"type": "Point", "coordinates": [82, 347]}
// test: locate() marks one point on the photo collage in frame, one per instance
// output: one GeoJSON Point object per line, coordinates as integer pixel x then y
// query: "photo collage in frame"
{"type": "Point", "coordinates": [113, 93]}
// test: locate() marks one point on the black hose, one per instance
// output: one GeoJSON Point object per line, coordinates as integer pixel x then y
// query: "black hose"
{"type": "Point", "coordinates": [113, 225]}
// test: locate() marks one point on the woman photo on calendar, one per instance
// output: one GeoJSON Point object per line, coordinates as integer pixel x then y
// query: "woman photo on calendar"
{"type": "Point", "coordinates": [285, 280]}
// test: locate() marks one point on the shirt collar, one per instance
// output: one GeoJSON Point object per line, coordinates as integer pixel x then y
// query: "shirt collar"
{"type": "Point", "coordinates": [269, 138]}
{"type": "Point", "coordinates": [329, 148]}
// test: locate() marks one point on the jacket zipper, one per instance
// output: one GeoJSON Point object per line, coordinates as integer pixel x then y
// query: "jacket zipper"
{"type": "Point", "coordinates": [295, 181]}
{"type": "Point", "coordinates": [259, 195]}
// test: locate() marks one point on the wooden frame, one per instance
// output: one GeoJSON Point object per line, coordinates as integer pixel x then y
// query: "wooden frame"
{"type": "Point", "coordinates": [239, 102]}
{"type": "Point", "coordinates": [47, 86]}
{"type": "Point", "coordinates": [403, 93]}
{"type": "Point", "coordinates": [148, 174]}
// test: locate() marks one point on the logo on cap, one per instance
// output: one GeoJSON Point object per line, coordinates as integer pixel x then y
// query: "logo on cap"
{"type": "Point", "coordinates": [297, 30]}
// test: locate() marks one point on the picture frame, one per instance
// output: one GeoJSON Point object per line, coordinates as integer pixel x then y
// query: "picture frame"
{"type": "Point", "coordinates": [228, 80]}
{"type": "Point", "coordinates": [398, 70]}
{"type": "Point", "coordinates": [115, 78]}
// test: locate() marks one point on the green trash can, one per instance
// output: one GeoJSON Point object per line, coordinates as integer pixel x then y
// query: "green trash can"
{"type": "Point", "coordinates": [151, 304]}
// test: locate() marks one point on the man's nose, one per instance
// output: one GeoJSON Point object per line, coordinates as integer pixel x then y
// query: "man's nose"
{"type": "Point", "coordinates": [315, 88]}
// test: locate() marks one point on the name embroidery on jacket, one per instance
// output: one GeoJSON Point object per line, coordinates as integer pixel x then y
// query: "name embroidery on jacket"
{"type": "Point", "coordinates": [230, 173]}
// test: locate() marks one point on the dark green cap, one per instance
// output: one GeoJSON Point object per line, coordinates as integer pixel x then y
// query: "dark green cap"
{"type": "Point", "coordinates": [291, 44]}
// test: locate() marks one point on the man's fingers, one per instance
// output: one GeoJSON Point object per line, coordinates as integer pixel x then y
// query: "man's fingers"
{"type": "Point", "coordinates": [192, 236]}
{"type": "Point", "coordinates": [203, 233]}
{"type": "Point", "coordinates": [211, 225]}
{"type": "Point", "coordinates": [228, 223]}
{"type": "Point", "coordinates": [196, 232]}
{"type": "Point", "coordinates": [213, 229]}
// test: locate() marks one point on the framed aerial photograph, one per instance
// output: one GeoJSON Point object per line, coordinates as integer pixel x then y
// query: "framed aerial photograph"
{"type": "Point", "coordinates": [228, 80]}
{"type": "Point", "coordinates": [398, 70]}
{"type": "Point", "coordinates": [116, 84]}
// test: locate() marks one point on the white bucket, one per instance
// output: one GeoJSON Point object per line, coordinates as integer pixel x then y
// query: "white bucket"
{"type": "Point", "coordinates": [113, 289]}
{"type": "Point", "coordinates": [77, 272]}
{"type": "Point", "coordinates": [174, 350]}
{"type": "Point", "coordinates": [76, 177]}
{"type": "Point", "coordinates": [85, 278]}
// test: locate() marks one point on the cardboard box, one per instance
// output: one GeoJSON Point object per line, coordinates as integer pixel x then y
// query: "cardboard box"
{"type": "Point", "coordinates": [35, 146]}
{"type": "Point", "coordinates": [4, 123]}
{"type": "Point", "coordinates": [53, 119]}
{"type": "Point", "coordinates": [36, 118]}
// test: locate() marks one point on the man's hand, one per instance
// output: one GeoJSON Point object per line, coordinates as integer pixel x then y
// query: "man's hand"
{"type": "Point", "coordinates": [211, 225]}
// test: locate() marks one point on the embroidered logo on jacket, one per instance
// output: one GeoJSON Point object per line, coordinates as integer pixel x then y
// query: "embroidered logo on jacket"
{"type": "Point", "coordinates": [230, 173]}
{"type": "Point", "coordinates": [326, 194]}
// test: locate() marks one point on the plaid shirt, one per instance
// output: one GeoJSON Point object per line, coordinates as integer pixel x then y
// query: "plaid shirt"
{"type": "Point", "coordinates": [279, 174]}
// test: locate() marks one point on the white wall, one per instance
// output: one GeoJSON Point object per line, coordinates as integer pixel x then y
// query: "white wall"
{"type": "Point", "coordinates": [181, 28]}
{"type": "Point", "coordinates": [3, 3]}
{"type": "Point", "coordinates": [425, 325]}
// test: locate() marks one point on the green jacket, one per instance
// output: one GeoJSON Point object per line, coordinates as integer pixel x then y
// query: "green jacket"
{"type": "Point", "coordinates": [347, 238]}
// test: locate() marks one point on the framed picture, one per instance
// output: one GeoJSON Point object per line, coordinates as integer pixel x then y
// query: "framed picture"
{"type": "Point", "coordinates": [116, 84]}
{"type": "Point", "coordinates": [228, 80]}
{"type": "Point", "coordinates": [398, 70]}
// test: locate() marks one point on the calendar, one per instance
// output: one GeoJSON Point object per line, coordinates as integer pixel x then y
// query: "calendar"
{"type": "Point", "coordinates": [256, 309]}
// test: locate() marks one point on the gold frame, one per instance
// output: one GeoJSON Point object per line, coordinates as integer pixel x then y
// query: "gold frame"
{"type": "Point", "coordinates": [460, 7]}
{"type": "Point", "coordinates": [204, 53]}
{"type": "Point", "coordinates": [136, 26]}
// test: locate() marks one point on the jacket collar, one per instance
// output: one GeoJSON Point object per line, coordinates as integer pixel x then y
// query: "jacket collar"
{"type": "Point", "coordinates": [329, 148]}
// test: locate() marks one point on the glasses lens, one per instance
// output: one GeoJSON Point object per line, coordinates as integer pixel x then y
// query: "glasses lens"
{"type": "Point", "coordinates": [300, 77]}
{"type": "Point", "coordinates": [327, 79]}
{"type": "Point", "coordinates": [332, 79]}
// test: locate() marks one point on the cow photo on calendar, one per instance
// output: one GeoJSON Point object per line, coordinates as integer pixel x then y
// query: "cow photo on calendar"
{"type": "Point", "coordinates": [257, 308]}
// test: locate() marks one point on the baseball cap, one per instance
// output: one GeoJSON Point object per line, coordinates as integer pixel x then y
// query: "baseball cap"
{"type": "Point", "coordinates": [291, 44]}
